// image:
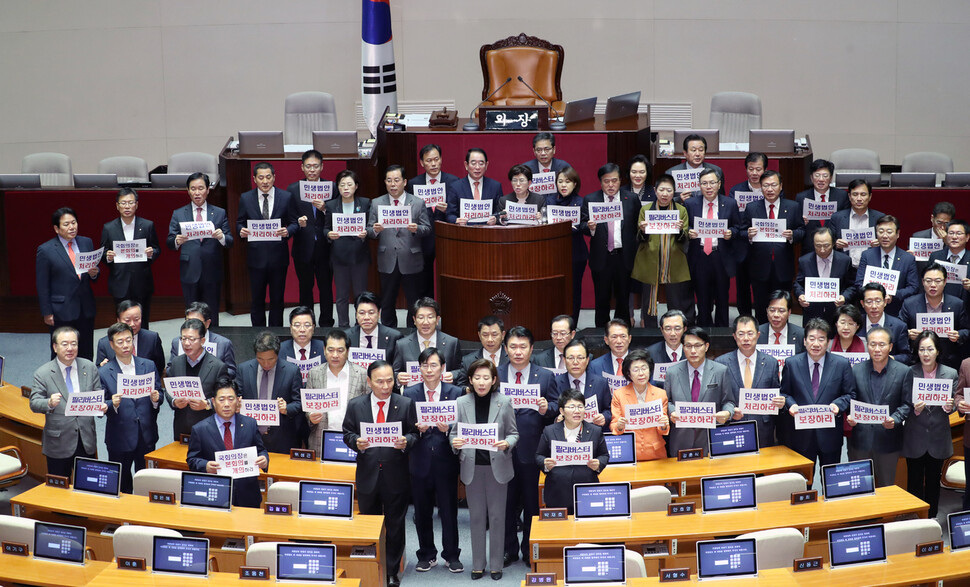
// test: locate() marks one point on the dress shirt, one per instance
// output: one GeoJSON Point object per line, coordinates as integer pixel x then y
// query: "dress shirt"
{"type": "Point", "coordinates": [377, 408]}
{"type": "Point", "coordinates": [571, 435]}
{"type": "Point", "coordinates": [67, 244]}
{"type": "Point", "coordinates": [582, 382]}
{"type": "Point", "coordinates": [858, 222]}
{"type": "Point", "coordinates": [826, 194]}
{"type": "Point", "coordinates": [741, 359]}
{"type": "Point", "coordinates": [270, 197]}
{"type": "Point", "coordinates": [691, 370]}
{"type": "Point", "coordinates": [783, 332]}
{"type": "Point", "coordinates": [436, 390]}
{"type": "Point", "coordinates": [193, 363]}
{"type": "Point", "coordinates": [259, 381]}
{"type": "Point", "coordinates": [75, 384]}
{"type": "Point", "coordinates": [950, 254]}
{"type": "Point", "coordinates": [811, 365]}
{"type": "Point", "coordinates": [205, 210]}
{"type": "Point", "coordinates": [679, 350]}
{"type": "Point", "coordinates": [513, 371]}
{"type": "Point", "coordinates": [335, 420]}
{"type": "Point", "coordinates": [129, 369]}
{"type": "Point", "coordinates": [617, 224]}
{"type": "Point", "coordinates": [128, 229]}
{"type": "Point", "coordinates": [883, 253]}
{"type": "Point", "coordinates": [297, 348]}
{"type": "Point", "coordinates": [347, 207]}
{"type": "Point", "coordinates": [221, 424]}
{"type": "Point", "coordinates": [432, 342]}
{"type": "Point", "coordinates": [471, 185]}
{"type": "Point", "coordinates": [824, 265]}
{"type": "Point", "coordinates": [931, 309]}
{"type": "Point", "coordinates": [870, 325]}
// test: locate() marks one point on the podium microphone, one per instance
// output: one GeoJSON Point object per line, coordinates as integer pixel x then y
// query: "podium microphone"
{"type": "Point", "coordinates": [472, 125]}
{"type": "Point", "coordinates": [553, 125]}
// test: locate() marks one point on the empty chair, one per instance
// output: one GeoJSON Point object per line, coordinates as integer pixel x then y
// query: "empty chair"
{"type": "Point", "coordinates": [262, 554]}
{"type": "Point", "coordinates": [902, 537]}
{"type": "Point", "coordinates": [128, 169]}
{"type": "Point", "coordinates": [17, 529]}
{"type": "Point", "coordinates": [54, 168]}
{"type": "Point", "coordinates": [777, 548]}
{"type": "Point", "coordinates": [649, 499]}
{"type": "Point", "coordinates": [305, 113]}
{"type": "Point", "coordinates": [12, 466]}
{"type": "Point", "coordinates": [735, 113]}
{"type": "Point", "coordinates": [284, 492]}
{"type": "Point", "coordinates": [954, 474]}
{"type": "Point", "coordinates": [136, 541]}
{"type": "Point", "coordinates": [778, 487]}
{"type": "Point", "coordinates": [938, 163]}
{"type": "Point", "coordinates": [156, 480]}
{"type": "Point", "coordinates": [195, 162]}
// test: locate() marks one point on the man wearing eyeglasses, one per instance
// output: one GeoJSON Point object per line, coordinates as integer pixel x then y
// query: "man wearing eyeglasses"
{"type": "Point", "coordinates": [563, 330]}
{"type": "Point", "coordinates": [823, 191]}
{"type": "Point", "coordinates": [874, 305]}
{"type": "Point", "coordinates": [669, 350]}
{"type": "Point", "coordinates": [582, 379]}
{"type": "Point", "coordinates": [779, 330]}
{"type": "Point", "coordinates": [955, 253]}
{"type": "Point", "coordinates": [195, 361]}
{"type": "Point", "coordinates": [134, 280]}
{"type": "Point", "coordinates": [311, 247]}
{"type": "Point", "coordinates": [618, 338]}
{"type": "Point", "coordinates": [544, 147]}
{"type": "Point", "coordinates": [935, 301]}
{"type": "Point", "coordinates": [943, 214]}
{"type": "Point", "coordinates": [828, 263]}
{"type": "Point", "coordinates": [888, 256]}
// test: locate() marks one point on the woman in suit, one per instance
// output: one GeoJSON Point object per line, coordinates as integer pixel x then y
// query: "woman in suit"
{"type": "Point", "coordinates": [926, 436]}
{"type": "Point", "coordinates": [640, 185]}
{"type": "Point", "coordinates": [649, 441]}
{"type": "Point", "coordinates": [567, 194]}
{"type": "Point", "coordinates": [486, 473]}
{"type": "Point", "coordinates": [521, 178]}
{"type": "Point", "coordinates": [349, 255]}
{"type": "Point", "coordinates": [572, 428]}
{"type": "Point", "coordinates": [848, 322]}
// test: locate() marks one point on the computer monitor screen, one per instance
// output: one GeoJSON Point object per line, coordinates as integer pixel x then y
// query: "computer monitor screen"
{"type": "Point", "coordinates": [727, 558]}
{"type": "Point", "coordinates": [594, 565]}
{"type": "Point", "coordinates": [765, 140]}
{"type": "Point", "coordinates": [103, 477]}
{"type": "Point", "coordinates": [169, 180]}
{"type": "Point", "coordinates": [95, 180]}
{"type": "Point", "coordinates": [916, 179]}
{"type": "Point", "coordinates": [959, 523]}
{"type": "Point", "coordinates": [735, 492]}
{"type": "Point", "coordinates": [737, 439]}
{"type": "Point", "coordinates": [321, 498]}
{"type": "Point", "coordinates": [205, 490]}
{"type": "Point", "coordinates": [306, 562]}
{"type": "Point", "coordinates": [184, 556]}
{"type": "Point", "coordinates": [19, 180]}
{"type": "Point", "coordinates": [622, 449]}
{"type": "Point", "coordinates": [260, 143]}
{"type": "Point", "coordinates": [848, 479]}
{"type": "Point", "coordinates": [335, 143]}
{"type": "Point", "coordinates": [622, 106]}
{"type": "Point", "coordinates": [956, 179]}
{"type": "Point", "coordinates": [856, 546]}
{"type": "Point", "coordinates": [335, 450]}
{"type": "Point", "coordinates": [577, 110]}
{"type": "Point", "coordinates": [601, 500]}
{"type": "Point", "coordinates": [59, 542]}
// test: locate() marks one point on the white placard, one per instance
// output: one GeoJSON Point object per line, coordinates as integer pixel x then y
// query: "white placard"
{"type": "Point", "coordinates": [939, 322]}
{"type": "Point", "coordinates": [571, 453]}
{"type": "Point", "coordinates": [543, 183]}
{"type": "Point", "coordinates": [955, 272]}
{"type": "Point", "coordinates": [591, 409]}
{"type": "Point", "coordinates": [696, 415]}
{"type": "Point", "coordinates": [266, 412]}
{"type": "Point", "coordinates": [130, 251]}
{"type": "Point", "coordinates": [710, 227]}
{"type": "Point", "coordinates": [432, 413]}
{"type": "Point", "coordinates": [614, 381]}
{"type": "Point", "coordinates": [475, 211]}
{"type": "Point", "coordinates": [563, 214]}
{"type": "Point", "coordinates": [888, 278]}
{"type": "Point", "coordinates": [922, 248]}
{"type": "Point", "coordinates": [853, 358]}
{"type": "Point", "coordinates": [516, 213]}
{"type": "Point", "coordinates": [315, 191]}
{"type": "Point", "coordinates": [394, 216]}
{"type": "Point", "coordinates": [758, 402]}
{"type": "Point", "coordinates": [413, 369]}
{"type": "Point", "coordinates": [781, 352]}
{"type": "Point", "coordinates": [306, 365]}
{"type": "Point", "coordinates": [686, 180]}
{"type": "Point", "coordinates": [189, 388]}
{"type": "Point", "coordinates": [380, 435]}
{"type": "Point", "coordinates": [478, 436]}
{"type": "Point", "coordinates": [645, 415]}
{"type": "Point", "coordinates": [814, 416]}
{"type": "Point", "coordinates": [660, 371]}
{"type": "Point", "coordinates": [364, 357]}
{"type": "Point", "coordinates": [606, 211]}
{"type": "Point", "coordinates": [859, 239]}
{"type": "Point", "coordinates": [821, 289]}
{"type": "Point", "coordinates": [769, 231]}
{"type": "Point", "coordinates": [135, 386]}
{"type": "Point", "coordinates": [661, 222]}
{"type": "Point", "coordinates": [237, 463]}
{"type": "Point", "coordinates": [264, 230]}
{"type": "Point", "coordinates": [194, 231]}
{"type": "Point", "coordinates": [431, 194]}
{"type": "Point", "coordinates": [932, 392]}
{"type": "Point", "coordinates": [85, 403]}
{"type": "Point", "coordinates": [864, 413]}
{"type": "Point", "coordinates": [349, 224]}
{"type": "Point", "coordinates": [316, 401]}
{"type": "Point", "coordinates": [86, 261]}
{"type": "Point", "coordinates": [816, 210]}
{"type": "Point", "coordinates": [523, 396]}
{"type": "Point", "coordinates": [745, 198]}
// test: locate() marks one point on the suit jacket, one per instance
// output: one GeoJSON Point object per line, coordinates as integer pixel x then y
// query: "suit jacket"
{"type": "Point", "coordinates": [399, 247]}
{"type": "Point", "coordinates": [546, 358]}
{"type": "Point", "coordinates": [224, 351]}
{"type": "Point", "coordinates": [716, 386]}
{"type": "Point", "coordinates": [461, 378]}
{"type": "Point", "coordinates": [903, 262]}
{"type": "Point", "coordinates": [499, 412]}
{"type": "Point", "coordinates": [958, 396]}
{"type": "Point", "coordinates": [460, 189]}
{"type": "Point", "coordinates": [287, 382]}
{"type": "Point", "coordinates": [387, 338]}
{"type": "Point", "coordinates": [765, 376]}
{"type": "Point", "coordinates": [605, 363]}
{"type": "Point", "coordinates": [409, 349]}
{"type": "Point", "coordinates": [194, 255]}
{"type": "Point", "coordinates": [796, 336]}
{"type": "Point", "coordinates": [658, 353]}
{"type": "Point", "coordinates": [596, 387]}
{"type": "Point", "coordinates": [210, 370]}
{"type": "Point", "coordinates": [954, 289]}
{"type": "Point", "coordinates": [579, 248]}
{"type": "Point", "coordinates": [836, 386]}
{"type": "Point", "coordinates": [628, 229]}
{"type": "Point", "coordinates": [840, 221]}
{"type": "Point", "coordinates": [314, 234]}
{"type": "Point", "coordinates": [134, 418]}
{"type": "Point", "coordinates": [433, 444]}
{"type": "Point", "coordinates": [206, 439]}
{"type": "Point", "coordinates": [556, 165]}
{"type": "Point", "coordinates": [902, 350]}
{"type": "Point", "coordinates": [267, 254]}
{"type": "Point", "coordinates": [131, 279]}
{"type": "Point", "coordinates": [443, 179]}
{"type": "Point", "coordinates": [731, 250]}
{"type": "Point", "coordinates": [897, 386]}
{"type": "Point", "coordinates": [347, 250]}
{"type": "Point", "coordinates": [950, 352]}
{"type": "Point", "coordinates": [317, 379]}
{"type": "Point", "coordinates": [838, 195]}
{"type": "Point", "coordinates": [840, 269]}
{"type": "Point", "coordinates": [696, 193]}
{"type": "Point", "coordinates": [372, 461]}
{"type": "Point", "coordinates": [149, 347]}
{"type": "Point", "coordinates": [428, 242]}
{"type": "Point", "coordinates": [316, 350]}
{"type": "Point", "coordinates": [61, 432]}
{"type": "Point", "coordinates": [60, 292]}
{"type": "Point", "coordinates": [558, 492]}
{"type": "Point", "coordinates": [650, 443]}
{"type": "Point", "coordinates": [929, 431]}
{"type": "Point", "coordinates": [761, 257]}
{"type": "Point", "coordinates": [530, 423]}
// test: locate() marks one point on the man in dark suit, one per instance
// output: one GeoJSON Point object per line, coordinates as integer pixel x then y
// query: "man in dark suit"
{"type": "Point", "coordinates": [579, 377]}
{"type": "Point", "coordinates": [671, 349]}
{"type": "Point", "coordinates": [474, 186]}
{"type": "Point", "coordinates": [200, 260]}
{"type": "Point", "coordinates": [562, 332]}
{"type": "Point", "coordinates": [612, 246]}
{"type": "Point", "coordinates": [943, 214]}
{"type": "Point", "coordinates": [695, 149]}
{"type": "Point", "coordinates": [301, 348]}
{"type": "Point", "coordinates": [617, 337]}
{"type": "Point", "coordinates": [426, 335]}
{"type": "Point", "coordinates": [430, 160]}
{"type": "Point", "coordinates": [822, 172]}
{"type": "Point", "coordinates": [856, 217]}
{"type": "Point", "coordinates": [753, 369]}
{"type": "Point", "coordinates": [874, 305]}
{"type": "Point", "coordinates": [382, 478]}
{"type": "Point", "coordinates": [131, 430]}
{"type": "Point", "coordinates": [955, 252]}
{"type": "Point", "coordinates": [818, 377]}
{"type": "Point", "coordinates": [523, 489]}
{"type": "Point", "coordinates": [933, 299]}
{"type": "Point", "coordinates": [434, 470]}
{"type": "Point", "coordinates": [311, 247]}
{"type": "Point", "coordinates": [131, 281]}
{"type": "Point", "coordinates": [267, 261]}
{"type": "Point", "coordinates": [147, 344]}
{"type": "Point", "coordinates": [217, 345]}
{"type": "Point", "coordinates": [544, 147]}
{"type": "Point", "coordinates": [65, 297]}
{"type": "Point", "coordinates": [779, 330]}
{"type": "Point", "coordinates": [369, 333]}
{"type": "Point", "coordinates": [194, 362]}
{"type": "Point", "coordinates": [266, 377]}
{"type": "Point", "coordinates": [771, 265]}
{"type": "Point", "coordinates": [888, 256]}
{"type": "Point", "coordinates": [824, 261]}
{"type": "Point", "coordinates": [491, 333]}
{"type": "Point", "coordinates": [227, 430]}
{"type": "Point", "coordinates": [755, 164]}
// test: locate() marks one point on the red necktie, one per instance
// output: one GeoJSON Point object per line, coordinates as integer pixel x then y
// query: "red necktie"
{"type": "Point", "coordinates": [673, 356]}
{"type": "Point", "coordinates": [198, 214]}
{"type": "Point", "coordinates": [619, 365]}
{"type": "Point", "coordinates": [695, 387]}
{"type": "Point", "coordinates": [380, 412]}
{"type": "Point", "coordinates": [822, 222]}
{"type": "Point", "coordinates": [518, 378]}
{"type": "Point", "coordinates": [395, 202]}
{"type": "Point", "coordinates": [777, 337]}
{"type": "Point", "coordinates": [433, 181]}
{"type": "Point", "coordinates": [227, 436]}
{"type": "Point", "coordinates": [478, 194]}
{"type": "Point", "coordinates": [771, 211]}
{"type": "Point", "coordinates": [302, 354]}
{"type": "Point", "coordinates": [70, 253]}
{"type": "Point", "coordinates": [709, 242]}
{"type": "Point", "coordinates": [546, 170]}
{"type": "Point", "coordinates": [430, 395]}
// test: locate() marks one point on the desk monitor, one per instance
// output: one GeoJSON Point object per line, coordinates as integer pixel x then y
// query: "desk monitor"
{"type": "Point", "coordinates": [848, 479]}
{"type": "Point", "coordinates": [205, 490]}
{"type": "Point", "coordinates": [857, 546]}
{"type": "Point", "coordinates": [325, 498]}
{"type": "Point", "coordinates": [336, 143]}
{"type": "Point", "coordinates": [59, 542]}
{"type": "Point", "coordinates": [180, 556]}
{"type": "Point", "coordinates": [19, 180]}
{"type": "Point", "coordinates": [594, 565]}
{"type": "Point", "coordinates": [95, 180]}
{"type": "Point", "coordinates": [306, 562]}
{"type": "Point", "coordinates": [737, 439]}
{"type": "Point", "coordinates": [727, 558]}
{"type": "Point", "coordinates": [336, 451]}
{"type": "Point", "coordinates": [622, 448]}
{"type": "Point", "coordinates": [735, 492]}
{"type": "Point", "coordinates": [959, 524]}
{"type": "Point", "coordinates": [843, 180]}
{"type": "Point", "coordinates": [766, 140]}
{"type": "Point", "coordinates": [260, 143]}
{"type": "Point", "coordinates": [622, 106]}
{"type": "Point", "coordinates": [912, 179]}
{"type": "Point", "coordinates": [170, 180]}
{"type": "Point", "coordinates": [956, 179]}
{"type": "Point", "coordinates": [601, 500]}
{"type": "Point", "coordinates": [577, 110]}
{"type": "Point", "coordinates": [711, 135]}
{"type": "Point", "coordinates": [93, 476]}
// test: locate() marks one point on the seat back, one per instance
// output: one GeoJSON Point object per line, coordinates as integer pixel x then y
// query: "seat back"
{"type": "Point", "coordinates": [855, 161]}
{"type": "Point", "coordinates": [54, 168]}
{"type": "Point", "coordinates": [538, 61]}
{"type": "Point", "coordinates": [156, 480]}
{"type": "Point", "coordinates": [262, 554]}
{"type": "Point", "coordinates": [136, 541]}
{"type": "Point", "coordinates": [902, 537]}
{"type": "Point", "coordinates": [778, 487]}
{"type": "Point", "coordinates": [929, 162]}
{"type": "Point", "coordinates": [635, 567]}
{"type": "Point", "coordinates": [195, 162]}
{"type": "Point", "coordinates": [734, 114]}
{"type": "Point", "coordinates": [777, 548]}
{"type": "Point", "coordinates": [306, 112]}
{"type": "Point", "coordinates": [284, 492]}
{"type": "Point", "coordinates": [649, 499]}
{"type": "Point", "coordinates": [128, 169]}
{"type": "Point", "coordinates": [17, 529]}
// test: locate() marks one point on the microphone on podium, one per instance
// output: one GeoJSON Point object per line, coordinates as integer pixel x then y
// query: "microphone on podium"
{"type": "Point", "coordinates": [553, 125]}
{"type": "Point", "coordinates": [472, 125]}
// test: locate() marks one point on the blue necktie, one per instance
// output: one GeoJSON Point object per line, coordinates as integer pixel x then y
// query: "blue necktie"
{"type": "Point", "coordinates": [67, 379]}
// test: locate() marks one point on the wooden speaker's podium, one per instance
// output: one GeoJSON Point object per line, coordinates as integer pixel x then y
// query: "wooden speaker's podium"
{"type": "Point", "coordinates": [522, 274]}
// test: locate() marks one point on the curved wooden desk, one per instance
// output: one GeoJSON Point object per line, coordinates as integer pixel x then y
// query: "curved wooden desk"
{"type": "Point", "coordinates": [115, 577]}
{"type": "Point", "coordinates": [22, 428]}
{"type": "Point", "coordinates": [28, 570]}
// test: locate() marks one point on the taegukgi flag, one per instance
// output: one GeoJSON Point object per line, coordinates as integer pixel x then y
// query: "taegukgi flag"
{"type": "Point", "coordinates": [378, 75]}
